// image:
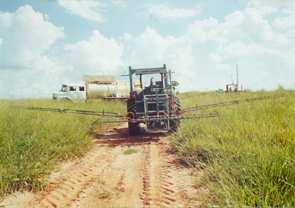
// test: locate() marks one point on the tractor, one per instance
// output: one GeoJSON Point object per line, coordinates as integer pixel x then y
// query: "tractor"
{"type": "Point", "coordinates": [155, 105]}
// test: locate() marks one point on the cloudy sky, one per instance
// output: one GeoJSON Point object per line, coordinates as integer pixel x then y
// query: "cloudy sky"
{"type": "Point", "coordinates": [44, 43]}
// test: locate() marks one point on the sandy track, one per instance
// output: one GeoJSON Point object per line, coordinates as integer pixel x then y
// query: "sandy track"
{"type": "Point", "coordinates": [106, 177]}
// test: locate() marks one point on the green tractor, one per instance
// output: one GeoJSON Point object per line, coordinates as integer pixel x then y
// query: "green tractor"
{"type": "Point", "coordinates": [155, 105]}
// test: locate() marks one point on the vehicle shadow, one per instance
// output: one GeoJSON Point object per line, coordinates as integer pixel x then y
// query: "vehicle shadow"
{"type": "Point", "coordinates": [120, 137]}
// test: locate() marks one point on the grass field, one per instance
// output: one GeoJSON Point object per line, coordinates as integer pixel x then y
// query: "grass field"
{"type": "Point", "coordinates": [33, 142]}
{"type": "Point", "coordinates": [247, 153]}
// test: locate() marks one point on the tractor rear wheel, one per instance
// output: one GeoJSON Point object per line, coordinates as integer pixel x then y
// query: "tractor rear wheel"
{"type": "Point", "coordinates": [133, 129]}
{"type": "Point", "coordinates": [174, 124]}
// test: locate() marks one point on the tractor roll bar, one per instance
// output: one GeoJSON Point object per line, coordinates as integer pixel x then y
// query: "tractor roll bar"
{"type": "Point", "coordinates": [143, 71]}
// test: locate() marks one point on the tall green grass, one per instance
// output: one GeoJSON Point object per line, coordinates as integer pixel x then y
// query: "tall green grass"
{"type": "Point", "coordinates": [33, 142]}
{"type": "Point", "coordinates": [247, 153]}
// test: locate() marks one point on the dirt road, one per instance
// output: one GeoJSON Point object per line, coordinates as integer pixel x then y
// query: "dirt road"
{"type": "Point", "coordinates": [118, 172]}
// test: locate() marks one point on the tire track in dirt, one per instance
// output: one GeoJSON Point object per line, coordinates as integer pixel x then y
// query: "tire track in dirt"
{"type": "Point", "coordinates": [166, 183]}
{"type": "Point", "coordinates": [158, 188]}
{"type": "Point", "coordinates": [107, 177]}
{"type": "Point", "coordinates": [146, 194]}
{"type": "Point", "coordinates": [65, 190]}
{"type": "Point", "coordinates": [167, 187]}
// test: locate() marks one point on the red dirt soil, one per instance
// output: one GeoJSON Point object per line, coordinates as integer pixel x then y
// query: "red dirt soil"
{"type": "Point", "coordinates": [107, 176]}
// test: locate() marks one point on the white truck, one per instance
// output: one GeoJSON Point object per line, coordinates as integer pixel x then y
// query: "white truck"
{"type": "Point", "coordinates": [94, 87]}
{"type": "Point", "coordinates": [71, 93]}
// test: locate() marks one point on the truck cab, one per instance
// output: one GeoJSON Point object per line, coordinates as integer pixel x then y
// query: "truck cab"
{"type": "Point", "coordinates": [71, 93]}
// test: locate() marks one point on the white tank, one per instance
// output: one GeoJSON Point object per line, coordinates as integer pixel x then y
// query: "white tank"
{"type": "Point", "coordinates": [122, 89]}
{"type": "Point", "coordinates": [117, 89]}
{"type": "Point", "coordinates": [99, 86]}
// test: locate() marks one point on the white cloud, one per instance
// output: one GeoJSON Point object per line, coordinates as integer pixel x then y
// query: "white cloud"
{"type": "Point", "coordinates": [204, 57]}
{"type": "Point", "coordinates": [42, 80]}
{"type": "Point", "coordinates": [25, 66]}
{"type": "Point", "coordinates": [151, 49]}
{"type": "Point", "coordinates": [27, 70]}
{"type": "Point", "coordinates": [285, 25]}
{"type": "Point", "coordinates": [98, 54]}
{"type": "Point", "coordinates": [260, 38]}
{"type": "Point", "coordinates": [240, 25]}
{"type": "Point", "coordinates": [272, 3]}
{"type": "Point", "coordinates": [91, 9]}
{"type": "Point", "coordinates": [204, 30]}
{"type": "Point", "coordinates": [262, 46]}
{"type": "Point", "coordinates": [26, 36]}
{"type": "Point", "coordinates": [191, 61]}
{"type": "Point", "coordinates": [165, 12]}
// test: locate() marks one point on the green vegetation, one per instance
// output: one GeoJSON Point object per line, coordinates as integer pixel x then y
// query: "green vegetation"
{"type": "Point", "coordinates": [32, 142]}
{"type": "Point", "coordinates": [247, 153]}
{"type": "Point", "coordinates": [130, 151]}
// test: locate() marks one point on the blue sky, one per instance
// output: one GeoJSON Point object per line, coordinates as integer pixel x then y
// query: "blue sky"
{"type": "Point", "coordinates": [46, 43]}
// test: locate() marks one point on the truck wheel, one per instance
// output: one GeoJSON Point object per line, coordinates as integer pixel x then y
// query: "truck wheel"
{"type": "Point", "coordinates": [68, 100]}
{"type": "Point", "coordinates": [133, 128]}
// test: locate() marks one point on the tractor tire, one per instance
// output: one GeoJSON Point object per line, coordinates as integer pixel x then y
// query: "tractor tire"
{"type": "Point", "coordinates": [174, 124]}
{"type": "Point", "coordinates": [133, 129]}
